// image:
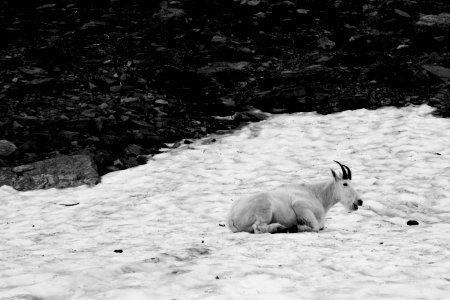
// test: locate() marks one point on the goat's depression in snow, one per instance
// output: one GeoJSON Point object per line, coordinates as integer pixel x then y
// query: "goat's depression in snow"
{"type": "Point", "coordinates": [168, 218]}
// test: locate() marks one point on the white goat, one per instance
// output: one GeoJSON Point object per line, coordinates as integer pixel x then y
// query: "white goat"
{"type": "Point", "coordinates": [300, 205]}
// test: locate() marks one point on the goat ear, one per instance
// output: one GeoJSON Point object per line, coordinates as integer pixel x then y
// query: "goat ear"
{"type": "Point", "coordinates": [335, 176]}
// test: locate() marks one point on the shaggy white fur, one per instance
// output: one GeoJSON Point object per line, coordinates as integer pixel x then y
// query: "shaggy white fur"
{"type": "Point", "coordinates": [302, 206]}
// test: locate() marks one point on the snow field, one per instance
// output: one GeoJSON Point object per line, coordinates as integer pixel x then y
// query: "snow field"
{"type": "Point", "coordinates": [167, 217]}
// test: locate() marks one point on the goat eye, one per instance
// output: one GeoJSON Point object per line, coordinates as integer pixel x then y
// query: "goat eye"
{"type": "Point", "coordinates": [345, 184]}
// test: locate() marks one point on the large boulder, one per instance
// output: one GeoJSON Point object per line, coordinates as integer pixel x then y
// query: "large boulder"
{"type": "Point", "coordinates": [7, 148]}
{"type": "Point", "coordinates": [59, 172]}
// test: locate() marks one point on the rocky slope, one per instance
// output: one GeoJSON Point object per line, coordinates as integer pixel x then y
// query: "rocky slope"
{"type": "Point", "coordinates": [117, 80]}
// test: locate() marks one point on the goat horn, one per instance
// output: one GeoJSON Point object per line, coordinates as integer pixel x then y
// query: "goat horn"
{"type": "Point", "coordinates": [349, 173]}
{"type": "Point", "coordinates": [345, 175]}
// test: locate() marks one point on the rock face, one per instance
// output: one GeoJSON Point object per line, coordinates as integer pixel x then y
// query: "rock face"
{"type": "Point", "coordinates": [59, 172]}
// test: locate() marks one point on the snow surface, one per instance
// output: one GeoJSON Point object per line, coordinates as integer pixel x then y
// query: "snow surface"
{"type": "Point", "coordinates": [168, 218]}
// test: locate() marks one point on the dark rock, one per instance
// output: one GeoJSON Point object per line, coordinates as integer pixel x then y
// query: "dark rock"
{"type": "Point", "coordinates": [7, 148]}
{"type": "Point", "coordinates": [114, 141]}
{"type": "Point", "coordinates": [42, 81]}
{"type": "Point", "coordinates": [402, 13]}
{"type": "Point", "coordinates": [312, 73]}
{"type": "Point", "coordinates": [103, 106]}
{"type": "Point", "coordinates": [129, 99]}
{"type": "Point", "coordinates": [171, 13]}
{"type": "Point", "coordinates": [253, 2]}
{"type": "Point", "coordinates": [16, 125]}
{"type": "Point", "coordinates": [23, 168]}
{"type": "Point", "coordinates": [354, 102]}
{"type": "Point", "coordinates": [253, 116]}
{"type": "Point", "coordinates": [103, 157]}
{"type": "Point", "coordinates": [161, 102]}
{"type": "Point", "coordinates": [92, 24]}
{"type": "Point", "coordinates": [131, 162]}
{"type": "Point", "coordinates": [115, 88]}
{"type": "Point", "coordinates": [141, 123]}
{"type": "Point", "coordinates": [438, 71]}
{"type": "Point", "coordinates": [147, 138]}
{"type": "Point", "coordinates": [118, 164]}
{"type": "Point", "coordinates": [59, 172]}
{"type": "Point", "coordinates": [142, 159]}
{"type": "Point", "coordinates": [440, 101]}
{"type": "Point", "coordinates": [6, 176]}
{"type": "Point", "coordinates": [80, 125]}
{"type": "Point", "coordinates": [111, 169]}
{"type": "Point", "coordinates": [45, 6]}
{"type": "Point", "coordinates": [178, 80]}
{"type": "Point", "coordinates": [412, 222]}
{"type": "Point", "coordinates": [134, 150]}
{"type": "Point", "coordinates": [394, 73]}
{"type": "Point", "coordinates": [218, 39]}
{"type": "Point", "coordinates": [441, 21]}
{"type": "Point", "coordinates": [325, 43]}
{"type": "Point", "coordinates": [49, 56]}
{"type": "Point", "coordinates": [29, 157]}
{"type": "Point", "coordinates": [32, 70]}
{"type": "Point", "coordinates": [68, 135]}
{"type": "Point", "coordinates": [3, 163]}
{"type": "Point", "coordinates": [283, 98]}
{"type": "Point", "coordinates": [285, 92]}
{"type": "Point", "coordinates": [222, 67]}
{"type": "Point", "coordinates": [37, 142]}
{"type": "Point", "coordinates": [228, 102]}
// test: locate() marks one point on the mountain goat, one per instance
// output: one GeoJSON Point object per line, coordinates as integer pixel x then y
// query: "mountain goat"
{"type": "Point", "coordinates": [300, 205]}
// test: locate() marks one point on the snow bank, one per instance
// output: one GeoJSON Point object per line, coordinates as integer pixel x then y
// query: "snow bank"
{"type": "Point", "coordinates": [157, 231]}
